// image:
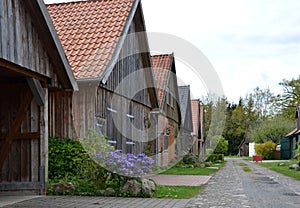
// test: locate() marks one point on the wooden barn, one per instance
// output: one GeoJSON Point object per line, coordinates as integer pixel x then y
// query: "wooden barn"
{"type": "Point", "coordinates": [107, 48]}
{"type": "Point", "coordinates": [185, 140]}
{"type": "Point", "coordinates": [168, 116]}
{"type": "Point", "coordinates": [32, 66]}
{"type": "Point", "coordinates": [198, 127]}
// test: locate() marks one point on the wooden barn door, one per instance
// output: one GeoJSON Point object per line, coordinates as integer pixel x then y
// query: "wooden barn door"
{"type": "Point", "coordinates": [22, 139]}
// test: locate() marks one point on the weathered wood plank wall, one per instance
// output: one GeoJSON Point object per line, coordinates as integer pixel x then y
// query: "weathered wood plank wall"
{"type": "Point", "coordinates": [60, 115]}
{"type": "Point", "coordinates": [22, 163]}
{"type": "Point", "coordinates": [24, 52]}
{"type": "Point", "coordinates": [20, 42]}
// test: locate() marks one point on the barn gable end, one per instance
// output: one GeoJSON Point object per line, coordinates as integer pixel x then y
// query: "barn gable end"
{"type": "Point", "coordinates": [32, 63]}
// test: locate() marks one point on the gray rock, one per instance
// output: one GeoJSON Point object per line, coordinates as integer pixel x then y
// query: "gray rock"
{"type": "Point", "coordinates": [148, 187]}
{"type": "Point", "coordinates": [133, 187]}
{"type": "Point", "coordinates": [63, 187]}
{"type": "Point", "coordinates": [294, 166]}
{"type": "Point", "coordinates": [109, 192]}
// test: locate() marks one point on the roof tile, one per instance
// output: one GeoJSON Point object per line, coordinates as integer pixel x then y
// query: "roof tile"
{"type": "Point", "coordinates": [85, 28]}
{"type": "Point", "coordinates": [161, 66]}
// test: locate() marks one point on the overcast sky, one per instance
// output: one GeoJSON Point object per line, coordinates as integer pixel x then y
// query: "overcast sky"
{"type": "Point", "coordinates": [249, 42]}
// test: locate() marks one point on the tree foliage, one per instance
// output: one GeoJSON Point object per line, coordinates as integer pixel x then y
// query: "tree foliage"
{"type": "Point", "coordinates": [271, 130]}
{"type": "Point", "coordinates": [222, 146]}
{"type": "Point", "coordinates": [290, 97]}
{"type": "Point", "coordinates": [264, 103]}
{"type": "Point", "coordinates": [261, 115]}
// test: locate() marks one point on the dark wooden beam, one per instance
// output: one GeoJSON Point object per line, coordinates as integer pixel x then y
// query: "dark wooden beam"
{"type": "Point", "coordinates": [15, 127]}
{"type": "Point", "coordinates": [37, 91]}
{"type": "Point", "coordinates": [23, 136]}
{"type": "Point", "coordinates": [23, 71]}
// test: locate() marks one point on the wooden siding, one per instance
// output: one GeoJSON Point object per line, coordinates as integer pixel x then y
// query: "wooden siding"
{"type": "Point", "coordinates": [60, 115]}
{"type": "Point", "coordinates": [22, 165]}
{"type": "Point", "coordinates": [171, 111]}
{"type": "Point", "coordinates": [84, 111]}
{"type": "Point", "coordinates": [130, 61]}
{"type": "Point", "coordinates": [27, 51]}
{"type": "Point", "coordinates": [20, 41]}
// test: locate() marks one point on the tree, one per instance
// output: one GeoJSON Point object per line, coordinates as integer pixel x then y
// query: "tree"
{"type": "Point", "coordinates": [222, 146]}
{"type": "Point", "coordinates": [236, 126]}
{"type": "Point", "coordinates": [263, 102]}
{"type": "Point", "coordinates": [290, 97]}
{"type": "Point", "coordinates": [272, 129]}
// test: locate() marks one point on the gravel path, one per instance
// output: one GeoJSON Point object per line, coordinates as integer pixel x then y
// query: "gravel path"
{"type": "Point", "coordinates": [261, 188]}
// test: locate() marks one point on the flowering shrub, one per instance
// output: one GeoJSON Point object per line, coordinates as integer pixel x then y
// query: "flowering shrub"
{"type": "Point", "coordinates": [266, 150]}
{"type": "Point", "coordinates": [126, 165]}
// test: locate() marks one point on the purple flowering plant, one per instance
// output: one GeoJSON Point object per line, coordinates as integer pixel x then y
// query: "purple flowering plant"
{"type": "Point", "coordinates": [129, 165]}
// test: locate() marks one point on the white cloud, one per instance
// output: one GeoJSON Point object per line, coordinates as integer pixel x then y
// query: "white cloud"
{"type": "Point", "coordinates": [249, 42]}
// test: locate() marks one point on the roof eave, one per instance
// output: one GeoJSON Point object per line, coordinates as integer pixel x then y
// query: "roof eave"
{"type": "Point", "coordinates": [71, 79]}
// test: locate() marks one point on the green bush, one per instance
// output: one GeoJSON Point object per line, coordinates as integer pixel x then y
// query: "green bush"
{"type": "Point", "coordinates": [266, 150]}
{"type": "Point", "coordinates": [69, 162]}
{"type": "Point", "coordinates": [222, 146]}
{"type": "Point", "coordinates": [190, 159]}
{"type": "Point", "coordinates": [215, 158]}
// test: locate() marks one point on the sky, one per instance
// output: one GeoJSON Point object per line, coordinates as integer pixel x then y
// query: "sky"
{"type": "Point", "coordinates": [249, 43]}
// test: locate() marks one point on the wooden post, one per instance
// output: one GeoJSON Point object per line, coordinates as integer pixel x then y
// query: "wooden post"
{"type": "Point", "coordinates": [44, 146]}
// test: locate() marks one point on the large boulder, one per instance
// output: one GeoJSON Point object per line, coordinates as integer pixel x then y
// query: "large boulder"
{"type": "Point", "coordinates": [148, 187]}
{"type": "Point", "coordinates": [133, 187]}
{"type": "Point", "coordinates": [109, 192]}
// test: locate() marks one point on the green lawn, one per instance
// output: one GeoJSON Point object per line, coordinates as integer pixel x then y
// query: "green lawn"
{"type": "Point", "coordinates": [177, 192]}
{"type": "Point", "coordinates": [275, 166]}
{"type": "Point", "coordinates": [192, 171]}
{"type": "Point", "coordinates": [184, 192]}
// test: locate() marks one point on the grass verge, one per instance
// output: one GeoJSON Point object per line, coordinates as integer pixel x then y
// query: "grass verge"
{"type": "Point", "coordinates": [178, 192]}
{"type": "Point", "coordinates": [193, 171]}
{"type": "Point", "coordinates": [245, 167]}
{"type": "Point", "coordinates": [283, 168]}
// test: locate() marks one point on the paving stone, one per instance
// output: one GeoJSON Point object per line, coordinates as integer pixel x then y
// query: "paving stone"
{"type": "Point", "coordinates": [230, 187]}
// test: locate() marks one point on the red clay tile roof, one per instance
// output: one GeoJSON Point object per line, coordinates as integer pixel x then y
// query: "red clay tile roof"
{"type": "Point", "coordinates": [195, 116]}
{"type": "Point", "coordinates": [89, 32]}
{"type": "Point", "coordinates": [161, 65]}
